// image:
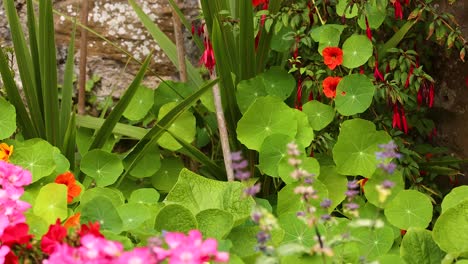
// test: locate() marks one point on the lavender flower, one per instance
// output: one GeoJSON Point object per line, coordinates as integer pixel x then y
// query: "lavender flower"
{"type": "Point", "coordinates": [326, 203]}
{"type": "Point", "coordinates": [388, 151]}
{"type": "Point", "coordinates": [253, 190]}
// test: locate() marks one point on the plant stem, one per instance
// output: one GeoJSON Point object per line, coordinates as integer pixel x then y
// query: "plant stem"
{"type": "Point", "coordinates": [318, 13]}
{"type": "Point", "coordinates": [179, 38]}
{"type": "Point", "coordinates": [83, 57]}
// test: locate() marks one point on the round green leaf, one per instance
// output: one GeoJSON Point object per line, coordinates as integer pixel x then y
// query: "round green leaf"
{"type": "Point", "coordinates": [354, 94]}
{"type": "Point", "coordinates": [248, 91]}
{"type": "Point", "coordinates": [288, 201]}
{"type": "Point", "coordinates": [51, 202]}
{"type": "Point", "coordinates": [61, 162]}
{"type": "Point", "coordinates": [370, 189]}
{"type": "Point", "coordinates": [336, 185]}
{"type": "Point", "coordinates": [144, 195]}
{"type": "Point", "coordinates": [114, 195]}
{"type": "Point", "coordinates": [305, 133]}
{"type": "Point", "coordinates": [375, 13]}
{"type": "Point", "coordinates": [308, 164]}
{"type": "Point", "coordinates": [409, 208]}
{"type": "Point", "coordinates": [7, 119]}
{"type": "Point", "coordinates": [296, 231]}
{"type": "Point", "coordinates": [100, 209]}
{"type": "Point", "coordinates": [330, 37]}
{"type": "Point", "coordinates": [357, 49]}
{"type": "Point", "coordinates": [104, 167]}
{"type": "Point", "coordinates": [451, 229]}
{"type": "Point", "coordinates": [215, 223]}
{"type": "Point", "coordinates": [354, 152]}
{"type": "Point", "coordinates": [37, 225]}
{"type": "Point", "coordinates": [148, 165]}
{"type": "Point", "coordinates": [184, 127]}
{"type": "Point", "coordinates": [391, 259]}
{"type": "Point", "coordinates": [373, 242]}
{"type": "Point", "coordinates": [266, 116]}
{"type": "Point", "coordinates": [175, 217]}
{"type": "Point", "coordinates": [455, 197]}
{"type": "Point", "coordinates": [278, 82]}
{"type": "Point", "coordinates": [273, 150]}
{"type": "Point", "coordinates": [343, 8]}
{"type": "Point", "coordinates": [167, 175]}
{"type": "Point", "coordinates": [316, 32]}
{"type": "Point", "coordinates": [133, 215]}
{"type": "Point", "coordinates": [170, 91]}
{"type": "Point", "coordinates": [417, 245]}
{"type": "Point", "coordinates": [36, 156]}
{"type": "Point", "coordinates": [140, 104]}
{"type": "Point", "coordinates": [318, 114]}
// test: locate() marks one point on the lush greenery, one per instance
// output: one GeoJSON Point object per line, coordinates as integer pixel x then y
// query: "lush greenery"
{"type": "Point", "coordinates": [325, 106]}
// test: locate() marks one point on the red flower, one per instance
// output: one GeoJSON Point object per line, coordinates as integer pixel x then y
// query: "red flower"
{"type": "Point", "coordinates": [256, 3]}
{"type": "Point", "coordinates": [73, 190]}
{"type": "Point", "coordinates": [332, 57]}
{"type": "Point", "coordinates": [329, 86]}
{"type": "Point", "coordinates": [399, 118]}
{"type": "Point", "coordinates": [56, 234]}
{"type": "Point", "coordinates": [299, 94]}
{"type": "Point", "coordinates": [368, 30]}
{"type": "Point", "coordinates": [16, 235]}
{"type": "Point", "coordinates": [90, 229]}
{"type": "Point", "coordinates": [398, 9]}
{"type": "Point", "coordinates": [377, 74]}
{"type": "Point", "coordinates": [466, 81]}
{"type": "Point", "coordinates": [208, 58]}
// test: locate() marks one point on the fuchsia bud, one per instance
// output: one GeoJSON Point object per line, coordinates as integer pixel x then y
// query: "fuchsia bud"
{"type": "Point", "coordinates": [208, 58]}
{"type": "Point", "coordinates": [368, 30]}
{"type": "Point", "coordinates": [411, 70]}
{"type": "Point", "coordinates": [398, 9]}
{"type": "Point", "coordinates": [377, 74]}
{"type": "Point", "coordinates": [299, 94]}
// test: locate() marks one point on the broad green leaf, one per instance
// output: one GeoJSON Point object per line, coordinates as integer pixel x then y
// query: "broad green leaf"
{"type": "Point", "coordinates": [278, 82]}
{"type": "Point", "coordinates": [273, 150]}
{"type": "Point", "coordinates": [409, 208]}
{"type": "Point", "coordinates": [144, 196]}
{"type": "Point", "coordinates": [308, 164]}
{"type": "Point", "coordinates": [51, 203]}
{"type": "Point", "coordinates": [357, 49]}
{"type": "Point", "coordinates": [244, 240]}
{"type": "Point", "coordinates": [170, 91]}
{"type": "Point", "coordinates": [248, 91]}
{"type": "Point", "coordinates": [167, 175]}
{"type": "Point", "coordinates": [370, 188]}
{"type": "Point", "coordinates": [114, 195]}
{"type": "Point", "coordinates": [61, 162]}
{"type": "Point", "coordinates": [336, 185]}
{"type": "Point", "coordinates": [148, 165]}
{"type": "Point", "coordinates": [140, 104]}
{"type": "Point", "coordinates": [330, 37]}
{"type": "Point", "coordinates": [101, 209]}
{"type": "Point", "coordinates": [354, 152]}
{"type": "Point", "coordinates": [198, 193]}
{"type": "Point", "coordinates": [215, 223]}
{"type": "Point", "coordinates": [318, 114]}
{"type": "Point", "coordinates": [296, 231]}
{"type": "Point", "coordinates": [288, 201]}
{"type": "Point", "coordinates": [36, 156]}
{"type": "Point", "coordinates": [354, 94]}
{"type": "Point", "coordinates": [316, 33]}
{"type": "Point", "coordinates": [37, 225]}
{"type": "Point", "coordinates": [7, 119]}
{"type": "Point", "coordinates": [266, 116]}
{"type": "Point", "coordinates": [184, 127]}
{"type": "Point", "coordinates": [175, 217]}
{"type": "Point", "coordinates": [454, 197]}
{"type": "Point", "coordinates": [375, 13]}
{"type": "Point", "coordinates": [347, 8]}
{"type": "Point", "coordinates": [102, 166]}
{"type": "Point", "coordinates": [133, 215]}
{"type": "Point", "coordinates": [451, 229]}
{"type": "Point", "coordinates": [305, 133]}
{"type": "Point", "coordinates": [279, 43]}
{"type": "Point", "coordinates": [390, 259]}
{"type": "Point", "coordinates": [418, 246]}
{"type": "Point", "coordinates": [373, 242]}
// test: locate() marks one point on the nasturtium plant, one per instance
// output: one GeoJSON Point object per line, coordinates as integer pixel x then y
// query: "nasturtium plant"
{"type": "Point", "coordinates": [140, 104]}
{"type": "Point", "coordinates": [51, 203]}
{"type": "Point", "coordinates": [148, 165]}
{"type": "Point", "coordinates": [354, 94]}
{"type": "Point", "coordinates": [450, 229]}
{"type": "Point", "coordinates": [336, 185]}
{"type": "Point", "coordinates": [409, 208]}
{"type": "Point", "coordinates": [144, 196]}
{"type": "Point", "coordinates": [316, 32]}
{"type": "Point", "coordinates": [248, 91]}
{"type": "Point", "coordinates": [357, 50]}
{"type": "Point", "coordinates": [184, 127]}
{"type": "Point", "coordinates": [329, 37]}
{"type": "Point", "coordinates": [133, 215]}
{"type": "Point", "coordinates": [170, 92]}
{"type": "Point", "coordinates": [319, 115]}
{"type": "Point", "coordinates": [114, 195]}
{"type": "Point", "coordinates": [375, 12]}
{"type": "Point", "coordinates": [417, 245]}
{"type": "Point", "coordinates": [373, 242]}
{"type": "Point", "coordinates": [36, 156]}
{"type": "Point", "coordinates": [371, 192]}
{"type": "Point", "coordinates": [456, 196]}
{"type": "Point", "coordinates": [278, 82]}
{"type": "Point", "coordinates": [346, 8]}
{"type": "Point", "coordinates": [271, 153]}
{"type": "Point", "coordinates": [215, 223]}
{"type": "Point", "coordinates": [295, 230]}
{"type": "Point", "coordinates": [102, 166]}
{"type": "Point", "coordinates": [101, 209]}
{"type": "Point", "coordinates": [166, 177]}
{"type": "Point", "coordinates": [266, 116]}
{"type": "Point", "coordinates": [175, 217]}
{"type": "Point", "coordinates": [7, 119]}
{"type": "Point", "coordinates": [305, 133]}
{"type": "Point", "coordinates": [354, 152]}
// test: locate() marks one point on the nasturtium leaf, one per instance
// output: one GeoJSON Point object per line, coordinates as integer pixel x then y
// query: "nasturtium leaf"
{"type": "Point", "coordinates": [318, 114]}
{"type": "Point", "coordinates": [35, 155]}
{"type": "Point", "coordinates": [114, 195]}
{"type": "Point", "coordinates": [244, 240]}
{"type": "Point", "coordinates": [7, 119]}
{"type": "Point", "coordinates": [336, 185]}
{"type": "Point", "coordinates": [296, 231]}
{"type": "Point", "coordinates": [409, 208]}
{"type": "Point", "coordinates": [140, 104]}
{"type": "Point", "coordinates": [215, 223]}
{"type": "Point", "coordinates": [273, 150]}
{"type": "Point", "coordinates": [330, 37]}
{"type": "Point", "coordinates": [100, 209]}
{"type": "Point", "coordinates": [84, 138]}
{"type": "Point", "coordinates": [170, 91]}
{"type": "Point", "coordinates": [417, 245]}
{"type": "Point", "coordinates": [144, 196]}
{"type": "Point", "coordinates": [175, 217]}
{"type": "Point", "coordinates": [357, 49]}
{"type": "Point", "coordinates": [37, 225]}
{"type": "Point", "coordinates": [104, 167]}
{"type": "Point", "coordinates": [354, 152]}
{"type": "Point", "coordinates": [51, 202]}
{"type": "Point", "coordinates": [308, 164]}
{"type": "Point", "coordinates": [124, 240]}
{"type": "Point", "coordinates": [302, 259]}
{"type": "Point", "coordinates": [133, 215]}
{"type": "Point", "coordinates": [148, 165]}
{"type": "Point", "coordinates": [165, 178]}
{"type": "Point", "coordinates": [198, 193]}
{"type": "Point", "coordinates": [375, 11]}
{"type": "Point", "coordinates": [248, 91]}
{"type": "Point", "coordinates": [371, 192]}
{"type": "Point", "coordinates": [288, 201]}
{"type": "Point", "coordinates": [354, 94]}
{"type": "Point", "coordinates": [454, 197]}
{"type": "Point", "coordinates": [317, 31]}
{"type": "Point", "coordinates": [373, 242]}
{"type": "Point", "coordinates": [184, 127]}
{"type": "Point", "coordinates": [391, 259]}
{"type": "Point", "coordinates": [61, 162]}
{"type": "Point", "coordinates": [451, 229]}
{"type": "Point", "coordinates": [305, 133]}
{"type": "Point", "coordinates": [347, 8]}
{"type": "Point", "coordinates": [266, 116]}
{"type": "Point", "coordinates": [278, 82]}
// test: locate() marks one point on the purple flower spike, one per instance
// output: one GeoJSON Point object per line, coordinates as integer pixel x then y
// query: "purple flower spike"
{"type": "Point", "coordinates": [326, 203]}
{"type": "Point", "coordinates": [352, 206]}
{"type": "Point", "coordinates": [252, 191]}
{"type": "Point", "coordinates": [387, 184]}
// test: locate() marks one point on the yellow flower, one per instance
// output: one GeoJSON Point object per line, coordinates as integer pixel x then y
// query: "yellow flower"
{"type": "Point", "coordinates": [5, 152]}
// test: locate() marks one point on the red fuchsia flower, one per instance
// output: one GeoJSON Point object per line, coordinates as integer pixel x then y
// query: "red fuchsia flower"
{"type": "Point", "coordinates": [361, 70]}
{"type": "Point", "coordinates": [426, 94]}
{"type": "Point", "coordinates": [332, 57]}
{"type": "Point", "coordinates": [90, 229]}
{"type": "Point", "coordinates": [299, 94]}
{"type": "Point", "coordinates": [73, 189]}
{"type": "Point", "coordinates": [55, 235]}
{"type": "Point", "coordinates": [368, 30]}
{"type": "Point", "coordinates": [398, 9]}
{"type": "Point", "coordinates": [377, 74]}
{"type": "Point", "coordinates": [256, 3]}
{"type": "Point", "coordinates": [399, 118]}
{"type": "Point", "coordinates": [410, 73]}
{"type": "Point", "coordinates": [329, 86]}
{"type": "Point", "coordinates": [208, 58]}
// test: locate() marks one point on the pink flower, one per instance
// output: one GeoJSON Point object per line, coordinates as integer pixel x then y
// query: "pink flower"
{"type": "Point", "coordinates": [93, 247]}
{"type": "Point", "coordinates": [63, 254]}
{"type": "Point", "coordinates": [4, 250]}
{"type": "Point", "coordinates": [136, 256]}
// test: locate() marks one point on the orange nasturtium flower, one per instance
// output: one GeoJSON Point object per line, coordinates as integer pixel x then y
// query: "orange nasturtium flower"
{"type": "Point", "coordinates": [329, 86]}
{"type": "Point", "coordinates": [73, 221]}
{"type": "Point", "coordinates": [332, 57]}
{"type": "Point", "coordinates": [5, 152]}
{"type": "Point", "coordinates": [73, 189]}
